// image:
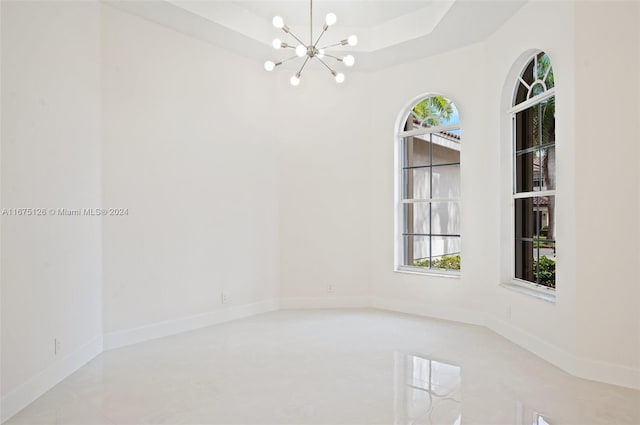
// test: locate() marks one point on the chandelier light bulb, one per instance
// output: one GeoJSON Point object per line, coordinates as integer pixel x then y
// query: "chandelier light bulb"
{"type": "Point", "coordinates": [349, 60]}
{"type": "Point", "coordinates": [276, 43]}
{"type": "Point", "coordinates": [295, 80]}
{"type": "Point", "coordinates": [330, 19]}
{"type": "Point", "coordinates": [340, 77]}
{"type": "Point", "coordinates": [320, 53]}
{"type": "Point", "coordinates": [352, 40]}
{"type": "Point", "coordinates": [301, 51]}
{"type": "Point", "coordinates": [269, 66]}
{"type": "Point", "coordinates": [278, 22]}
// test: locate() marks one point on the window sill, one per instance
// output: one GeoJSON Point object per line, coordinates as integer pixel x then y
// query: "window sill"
{"type": "Point", "coordinates": [547, 295]}
{"type": "Point", "coordinates": [418, 271]}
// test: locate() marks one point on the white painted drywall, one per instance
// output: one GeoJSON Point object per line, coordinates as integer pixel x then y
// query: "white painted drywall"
{"type": "Point", "coordinates": [188, 149]}
{"type": "Point", "coordinates": [324, 182]}
{"type": "Point", "coordinates": [552, 325]}
{"type": "Point", "coordinates": [51, 142]}
{"type": "Point", "coordinates": [459, 75]}
{"type": "Point", "coordinates": [608, 280]}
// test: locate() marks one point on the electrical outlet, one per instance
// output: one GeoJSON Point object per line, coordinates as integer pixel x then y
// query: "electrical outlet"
{"type": "Point", "coordinates": [56, 346]}
{"type": "Point", "coordinates": [331, 288]}
{"type": "Point", "coordinates": [224, 298]}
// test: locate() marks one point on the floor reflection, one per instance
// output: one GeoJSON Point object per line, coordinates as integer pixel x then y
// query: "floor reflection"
{"type": "Point", "coordinates": [525, 415]}
{"type": "Point", "coordinates": [427, 391]}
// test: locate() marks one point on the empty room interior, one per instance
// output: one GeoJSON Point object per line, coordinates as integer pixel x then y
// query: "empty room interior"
{"type": "Point", "coordinates": [320, 212]}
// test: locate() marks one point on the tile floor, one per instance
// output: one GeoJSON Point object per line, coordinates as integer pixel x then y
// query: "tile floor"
{"type": "Point", "coordinates": [329, 367]}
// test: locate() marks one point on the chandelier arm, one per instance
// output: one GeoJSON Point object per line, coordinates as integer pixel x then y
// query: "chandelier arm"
{"type": "Point", "coordinates": [287, 59]}
{"type": "Point", "coordinates": [324, 29]}
{"type": "Point", "coordinates": [294, 36]}
{"type": "Point", "coordinates": [328, 67]}
{"type": "Point", "coordinates": [303, 65]}
{"type": "Point", "coordinates": [332, 45]}
{"type": "Point", "coordinates": [335, 57]}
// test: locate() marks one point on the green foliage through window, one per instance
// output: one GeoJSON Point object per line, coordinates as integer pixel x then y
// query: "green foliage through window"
{"type": "Point", "coordinates": [433, 111]}
{"type": "Point", "coordinates": [448, 262]}
{"type": "Point", "coordinates": [545, 271]}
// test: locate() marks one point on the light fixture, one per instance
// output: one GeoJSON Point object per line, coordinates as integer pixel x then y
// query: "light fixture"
{"type": "Point", "coordinates": [311, 50]}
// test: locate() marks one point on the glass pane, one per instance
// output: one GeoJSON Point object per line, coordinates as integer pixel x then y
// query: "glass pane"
{"type": "Point", "coordinates": [445, 218]}
{"type": "Point", "coordinates": [526, 130]}
{"type": "Point", "coordinates": [545, 121]}
{"type": "Point", "coordinates": [416, 250]}
{"type": "Point", "coordinates": [545, 265]}
{"type": "Point", "coordinates": [527, 76]}
{"type": "Point", "coordinates": [434, 111]}
{"type": "Point", "coordinates": [445, 253]}
{"type": "Point", "coordinates": [550, 79]}
{"type": "Point", "coordinates": [416, 183]}
{"type": "Point", "coordinates": [416, 218]}
{"type": "Point", "coordinates": [528, 176]}
{"type": "Point", "coordinates": [446, 182]}
{"type": "Point", "coordinates": [535, 217]}
{"type": "Point", "coordinates": [547, 208]}
{"type": "Point", "coordinates": [535, 148]}
{"type": "Point", "coordinates": [531, 216]}
{"type": "Point", "coordinates": [548, 167]}
{"type": "Point", "coordinates": [446, 148]}
{"type": "Point", "coordinates": [524, 261]}
{"type": "Point", "coordinates": [544, 69]}
{"type": "Point", "coordinates": [417, 151]}
{"type": "Point", "coordinates": [536, 89]}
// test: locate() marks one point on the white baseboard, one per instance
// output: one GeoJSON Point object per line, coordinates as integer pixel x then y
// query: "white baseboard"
{"type": "Point", "coordinates": [126, 337]}
{"type": "Point", "coordinates": [422, 309]}
{"type": "Point", "coordinates": [26, 393]}
{"type": "Point", "coordinates": [541, 348]}
{"type": "Point", "coordinates": [608, 373]}
{"type": "Point", "coordinates": [289, 303]}
{"type": "Point", "coordinates": [584, 368]}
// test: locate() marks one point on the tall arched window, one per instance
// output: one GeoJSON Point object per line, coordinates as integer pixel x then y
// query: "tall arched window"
{"type": "Point", "coordinates": [428, 188]}
{"type": "Point", "coordinates": [534, 173]}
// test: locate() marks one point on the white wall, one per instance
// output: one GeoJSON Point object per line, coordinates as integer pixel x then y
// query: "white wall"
{"type": "Point", "coordinates": [188, 149]}
{"type": "Point", "coordinates": [400, 86]}
{"type": "Point", "coordinates": [51, 266]}
{"type": "Point", "coordinates": [324, 182]}
{"type": "Point", "coordinates": [608, 280]}
{"type": "Point", "coordinates": [549, 326]}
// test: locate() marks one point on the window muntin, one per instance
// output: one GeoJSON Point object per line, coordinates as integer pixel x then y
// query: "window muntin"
{"type": "Point", "coordinates": [534, 173]}
{"type": "Point", "coordinates": [429, 206]}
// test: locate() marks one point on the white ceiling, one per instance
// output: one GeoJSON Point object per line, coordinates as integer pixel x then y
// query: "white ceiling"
{"type": "Point", "coordinates": [390, 32]}
{"type": "Point", "coordinates": [356, 14]}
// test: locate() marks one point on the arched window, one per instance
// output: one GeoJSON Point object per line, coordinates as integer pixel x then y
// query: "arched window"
{"type": "Point", "coordinates": [534, 173]}
{"type": "Point", "coordinates": [428, 187]}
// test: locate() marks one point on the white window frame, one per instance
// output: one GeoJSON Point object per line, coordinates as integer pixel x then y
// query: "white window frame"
{"type": "Point", "coordinates": [531, 288]}
{"type": "Point", "coordinates": [399, 202]}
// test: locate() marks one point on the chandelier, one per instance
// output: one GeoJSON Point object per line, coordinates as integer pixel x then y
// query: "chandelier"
{"type": "Point", "coordinates": [311, 50]}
